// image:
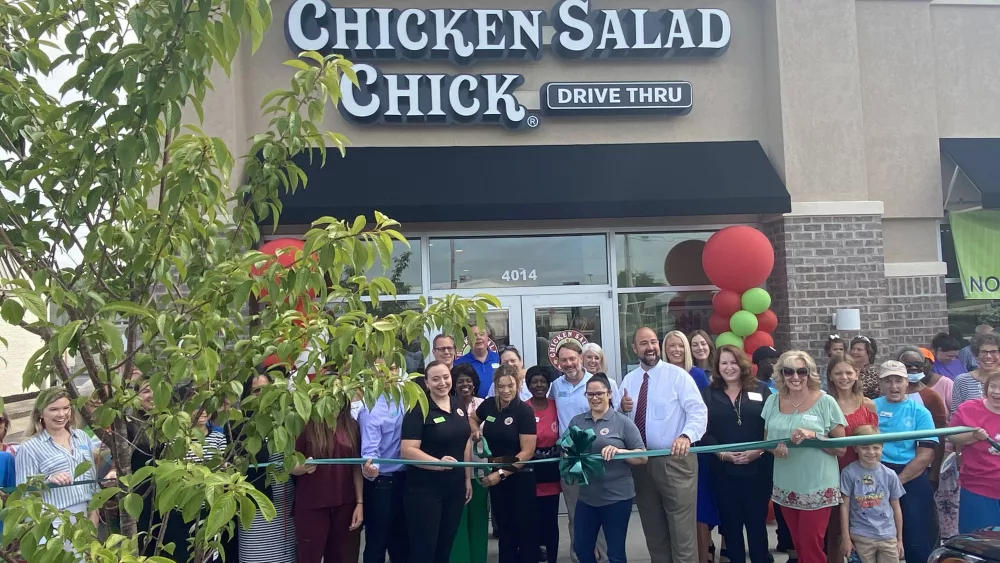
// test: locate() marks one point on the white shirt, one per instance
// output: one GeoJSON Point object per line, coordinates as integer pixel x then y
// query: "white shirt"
{"type": "Point", "coordinates": [673, 405]}
{"type": "Point", "coordinates": [524, 394]}
{"type": "Point", "coordinates": [571, 399]}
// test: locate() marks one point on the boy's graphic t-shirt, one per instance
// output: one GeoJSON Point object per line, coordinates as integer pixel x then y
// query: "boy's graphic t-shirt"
{"type": "Point", "coordinates": [870, 492]}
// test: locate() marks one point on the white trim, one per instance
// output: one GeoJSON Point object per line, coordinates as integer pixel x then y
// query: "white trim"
{"type": "Point", "coordinates": [906, 269]}
{"type": "Point", "coordinates": [667, 289]}
{"type": "Point", "coordinates": [965, 3]}
{"type": "Point", "coordinates": [809, 208]}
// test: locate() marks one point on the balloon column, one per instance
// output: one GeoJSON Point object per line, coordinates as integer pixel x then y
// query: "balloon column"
{"type": "Point", "coordinates": [738, 260]}
{"type": "Point", "coordinates": [285, 252]}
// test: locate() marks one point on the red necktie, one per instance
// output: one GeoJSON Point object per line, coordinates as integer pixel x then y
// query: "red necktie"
{"type": "Point", "coordinates": [640, 407]}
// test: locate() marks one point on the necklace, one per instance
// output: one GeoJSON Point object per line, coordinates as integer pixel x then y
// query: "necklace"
{"type": "Point", "coordinates": [739, 408]}
{"type": "Point", "coordinates": [796, 405]}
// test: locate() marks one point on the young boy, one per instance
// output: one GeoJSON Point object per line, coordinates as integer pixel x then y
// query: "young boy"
{"type": "Point", "coordinates": [870, 517]}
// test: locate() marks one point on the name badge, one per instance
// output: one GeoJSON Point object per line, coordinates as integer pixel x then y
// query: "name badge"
{"type": "Point", "coordinates": [563, 394]}
{"type": "Point", "coordinates": [810, 417]}
{"type": "Point", "coordinates": [885, 414]}
{"type": "Point", "coordinates": [753, 396]}
{"type": "Point", "coordinates": [495, 366]}
{"type": "Point", "coordinates": [537, 420]}
{"type": "Point", "coordinates": [439, 420]}
{"type": "Point", "coordinates": [490, 419]}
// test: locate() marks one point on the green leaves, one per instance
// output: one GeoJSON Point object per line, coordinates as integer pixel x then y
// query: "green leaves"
{"type": "Point", "coordinates": [132, 504]}
{"type": "Point", "coordinates": [221, 514]}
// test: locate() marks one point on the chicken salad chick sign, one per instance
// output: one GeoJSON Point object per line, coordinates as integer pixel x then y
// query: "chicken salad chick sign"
{"type": "Point", "coordinates": [464, 36]}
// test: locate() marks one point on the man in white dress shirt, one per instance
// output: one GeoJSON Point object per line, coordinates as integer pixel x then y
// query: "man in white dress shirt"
{"type": "Point", "coordinates": [666, 405]}
{"type": "Point", "coordinates": [569, 393]}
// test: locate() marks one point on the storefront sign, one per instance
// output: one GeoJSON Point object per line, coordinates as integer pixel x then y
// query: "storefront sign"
{"type": "Point", "coordinates": [977, 247]}
{"type": "Point", "coordinates": [464, 36]}
{"type": "Point", "coordinates": [557, 338]}
{"type": "Point", "coordinates": [616, 97]}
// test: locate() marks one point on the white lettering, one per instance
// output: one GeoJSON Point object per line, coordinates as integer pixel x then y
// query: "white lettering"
{"type": "Point", "coordinates": [679, 28]}
{"type": "Point", "coordinates": [402, 31]}
{"type": "Point", "coordinates": [660, 94]}
{"type": "Point", "coordinates": [515, 111]}
{"type": "Point", "coordinates": [616, 95]}
{"type": "Point", "coordinates": [675, 94]}
{"type": "Point", "coordinates": [295, 22]}
{"type": "Point", "coordinates": [706, 29]}
{"type": "Point", "coordinates": [455, 99]}
{"type": "Point", "coordinates": [435, 80]}
{"type": "Point", "coordinates": [360, 26]}
{"type": "Point", "coordinates": [367, 75]}
{"type": "Point", "coordinates": [640, 32]}
{"type": "Point", "coordinates": [631, 94]}
{"type": "Point", "coordinates": [487, 24]}
{"type": "Point", "coordinates": [564, 95]}
{"type": "Point", "coordinates": [579, 96]}
{"type": "Point", "coordinates": [612, 30]}
{"type": "Point", "coordinates": [527, 24]}
{"type": "Point", "coordinates": [445, 29]}
{"type": "Point", "coordinates": [411, 93]}
{"type": "Point", "coordinates": [568, 22]}
{"type": "Point", "coordinates": [384, 42]}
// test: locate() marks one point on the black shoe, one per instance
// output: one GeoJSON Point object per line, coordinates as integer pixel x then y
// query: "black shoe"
{"type": "Point", "coordinates": [782, 548]}
{"type": "Point", "coordinates": [543, 556]}
{"type": "Point", "coordinates": [496, 536]}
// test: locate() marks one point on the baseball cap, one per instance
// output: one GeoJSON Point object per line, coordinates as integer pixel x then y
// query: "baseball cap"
{"type": "Point", "coordinates": [765, 353]}
{"type": "Point", "coordinates": [892, 367]}
{"type": "Point", "coordinates": [927, 354]}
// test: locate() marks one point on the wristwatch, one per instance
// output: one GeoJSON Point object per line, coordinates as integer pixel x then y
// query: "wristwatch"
{"type": "Point", "coordinates": [502, 474]}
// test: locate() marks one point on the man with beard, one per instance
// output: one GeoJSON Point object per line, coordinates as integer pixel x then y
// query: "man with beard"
{"type": "Point", "coordinates": [666, 405]}
{"type": "Point", "coordinates": [569, 393]}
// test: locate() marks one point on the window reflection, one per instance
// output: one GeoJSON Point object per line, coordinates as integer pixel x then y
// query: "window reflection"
{"type": "Point", "coordinates": [661, 259]}
{"type": "Point", "coordinates": [554, 325]}
{"type": "Point", "coordinates": [471, 263]}
{"type": "Point", "coordinates": [415, 359]}
{"type": "Point", "coordinates": [662, 312]}
{"type": "Point", "coordinates": [404, 269]}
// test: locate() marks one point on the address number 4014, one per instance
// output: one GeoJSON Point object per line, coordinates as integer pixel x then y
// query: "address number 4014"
{"type": "Point", "coordinates": [519, 275]}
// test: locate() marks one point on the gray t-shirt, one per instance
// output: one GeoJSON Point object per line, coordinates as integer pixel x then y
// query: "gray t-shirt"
{"type": "Point", "coordinates": [612, 429]}
{"type": "Point", "coordinates": [870, 491]}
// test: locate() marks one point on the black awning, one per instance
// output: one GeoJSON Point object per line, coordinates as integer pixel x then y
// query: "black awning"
{"type": "Point", "coordinates": [979, 160]}
{"type": "Point", "coordinates": [540, 182]}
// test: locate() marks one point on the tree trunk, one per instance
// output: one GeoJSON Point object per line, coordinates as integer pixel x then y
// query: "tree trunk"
{"type": "Point", "coordinates": [121, 453]}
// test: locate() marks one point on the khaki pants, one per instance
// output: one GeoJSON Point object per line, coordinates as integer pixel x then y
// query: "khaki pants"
{"type": "Point", "coordinates": [571, 494]}
{"type": "Point", "coordinates": [666, 493]}
{"type": "Point", "coordinates": [875, 551]}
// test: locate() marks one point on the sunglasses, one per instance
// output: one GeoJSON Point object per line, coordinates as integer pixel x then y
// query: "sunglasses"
{"type": "Point", "coordinates": [914, 367]}
{"type": "Point", "coordinates": [789, 372]}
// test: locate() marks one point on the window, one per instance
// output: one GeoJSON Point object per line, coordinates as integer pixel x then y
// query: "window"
{"type": "Point", "coordinates": [495, 262]}
{"type": "Point", "coordinates": [662, 312]}
{"type": "Point", "coordinates": [404, 269]}
{"type": "Point", "coordinates": [660, 259]}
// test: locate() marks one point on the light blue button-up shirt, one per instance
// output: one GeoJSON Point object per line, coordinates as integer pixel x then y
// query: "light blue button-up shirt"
{"type": "Point", "coordinates": [381, 431]}
{"type": "Point", "coordinates": [571, 399]}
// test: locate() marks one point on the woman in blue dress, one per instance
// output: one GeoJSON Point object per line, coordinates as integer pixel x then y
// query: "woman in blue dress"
{"type": "Point", "coordinates": [677, 351]}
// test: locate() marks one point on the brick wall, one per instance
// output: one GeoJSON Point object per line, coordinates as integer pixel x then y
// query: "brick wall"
{"type": "Point", "coordinates": [825, 263]}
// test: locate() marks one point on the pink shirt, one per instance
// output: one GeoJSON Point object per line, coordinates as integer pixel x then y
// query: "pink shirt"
{"type": "Point", "coordinates": [944, 387]}
{"type": "Point", "coordinates": [980, 463]}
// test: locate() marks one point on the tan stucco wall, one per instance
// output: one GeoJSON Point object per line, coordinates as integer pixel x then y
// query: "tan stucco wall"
{"type": "Point", "coordinates": [967, 58]}
{"type": "Point", "coordinates": [910, 240]}
{"type": "Point", "coordinates": [21, 344]}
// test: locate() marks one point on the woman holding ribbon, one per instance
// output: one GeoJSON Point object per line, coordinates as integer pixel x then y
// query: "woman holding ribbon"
{"type": "Point", "coordinates": [979, 506]}
{"type": "Point", "coordinates": [435, 494]}
{"type": "Point", "coordinates": [806, 480]}
{"type": "Point", "coordinates": [735, 400]}
{"type": "Point", "coordinates": [472, 539]}
{"type": "Point", "coordinates": [606, 500]}
{"type": "Point", "coordinates": [508, 427]}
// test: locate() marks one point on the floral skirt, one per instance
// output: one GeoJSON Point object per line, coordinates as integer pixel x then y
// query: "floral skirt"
{"type": "Point", "coordinates": [946, 496]}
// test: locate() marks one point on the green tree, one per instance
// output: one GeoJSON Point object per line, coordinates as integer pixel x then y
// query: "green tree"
{"type": "Point", "coordinates": [163, 235]}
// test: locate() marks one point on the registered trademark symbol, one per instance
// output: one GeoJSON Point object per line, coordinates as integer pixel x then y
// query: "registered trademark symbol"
{"type": "Point", "coordinates": [532, 121]}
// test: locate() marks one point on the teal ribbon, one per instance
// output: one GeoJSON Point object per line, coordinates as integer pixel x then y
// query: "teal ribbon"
{"type": "Point", "coordinates": [579, 465]}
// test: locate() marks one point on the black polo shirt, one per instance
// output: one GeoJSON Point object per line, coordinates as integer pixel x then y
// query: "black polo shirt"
{"type": "Point", "coordinates": [503, 428]}
{"type": "Point", "coordinates": [441, 433]}
{"type": "Point", "coordinates": [724, 426]}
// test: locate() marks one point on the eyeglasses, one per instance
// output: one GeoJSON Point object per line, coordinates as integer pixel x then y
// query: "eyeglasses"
{"type": "Point", "coordinates": [790, 372]}
{"type": "Point", "coordinates": [445, 349]}
{"type": "Point", "coordinates": [596, 394]}
{"type": "Point", "coordinates": [989, 352]}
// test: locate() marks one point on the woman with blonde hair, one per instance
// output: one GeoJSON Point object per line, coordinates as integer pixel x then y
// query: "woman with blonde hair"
{"type": "Point", "coordinates": [54, 448]}
{"type": "Point", "coordinates": [593, 358]}
{"type": "Point", "coordinates": [806, 480]}
{"type": "Point", "coordinates": [677, 351]}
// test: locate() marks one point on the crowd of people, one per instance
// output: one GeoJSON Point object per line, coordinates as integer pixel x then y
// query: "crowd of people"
{"type": "Point", "coordinates": [871, 503]}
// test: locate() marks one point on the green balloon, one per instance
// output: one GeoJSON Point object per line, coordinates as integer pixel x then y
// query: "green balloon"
{"type": "Point", "coordinates": [730, 339]}
{"type": "Point", "coordinates": [743, 323]}
{"type": "Point", "coordinates": [756, 301]}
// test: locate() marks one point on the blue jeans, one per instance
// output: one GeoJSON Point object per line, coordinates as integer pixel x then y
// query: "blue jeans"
{"type": "Point", "coordinates": [921, 532]}
{"type": "Point", "coordinates": [976, 511]}
{"type": "Point", "coordinates": [613, 518]}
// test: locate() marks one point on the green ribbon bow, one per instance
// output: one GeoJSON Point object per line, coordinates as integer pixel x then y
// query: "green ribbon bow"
{"type": "Point", "coordinates": [578, 463]}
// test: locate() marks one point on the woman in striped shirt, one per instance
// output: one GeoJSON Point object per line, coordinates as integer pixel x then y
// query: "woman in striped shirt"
{"type": "Point", "coordinates": [968, 386]}
{"type": "Point", "coordinates": [53, 449]}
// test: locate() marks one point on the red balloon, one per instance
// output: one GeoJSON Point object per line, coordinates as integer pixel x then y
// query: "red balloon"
{"type": "Point", "coordinates": [738, 258]}
{"type": "Point", "coordinates": [767, 321]}
{"type": "Point", "coordinates": [756, 340]}
{"type": "Point", "coordinates": [718, 324]}
{"type": "Point", "coordinates": [726, 303]}
{"type": "Point", "coordinates": [286, 258]}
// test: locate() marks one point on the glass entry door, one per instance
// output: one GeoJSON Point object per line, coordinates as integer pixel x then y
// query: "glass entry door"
{"type": "Point", "coordinates": [550, 319]}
